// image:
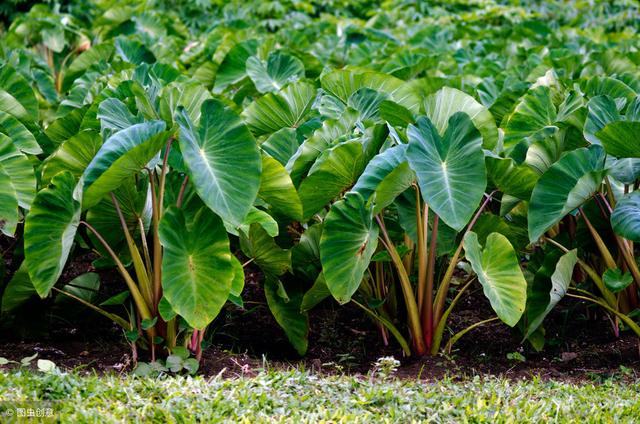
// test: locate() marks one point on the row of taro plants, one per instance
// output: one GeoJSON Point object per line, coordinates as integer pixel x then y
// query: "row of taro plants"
{"type": "Point", "coordinates": [392, 160]}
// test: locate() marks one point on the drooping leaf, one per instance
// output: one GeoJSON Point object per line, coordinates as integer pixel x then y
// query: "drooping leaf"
{"type": "Point", "coordinates": [8, 205]}
{"type": "Point", "coordinates": [333, 173]}
{"type": "Point", "coordinates": [498, 270]}
{"type": "Point", "coordinates": [282, 145]}
{"type": "Point", "coordinates": [223, 160]}
{"type": "Point", "coordinates": [114, 116]}
{"type": "Point", "coordinates": [349, 239]}
{"type": "Point", "coordinates": [262, 248]}
{"type": "Point", "coordinates": [602, 110]}
{"type": "Point", "coordinates": [287, 314]}
{"type": "Point", "coordinates": [545, 300]}
{"type": "Point", "coordinates": [20, 171]}
{"type": "Point", "coordinates": [511, 178]}
{"type": "Point", "coordinates": [534, 117]}
{"type": "Point", "coordinates": [196, 265]}
{"type": "Point", "coordinates": [21, 137]}
{"type": "Point", "coordinates": [566, 185]}
{"type": "Point", "coordinates": [49, 230]}
{"type": "Point", "coordinates": [16, 96]}
{"type": "Point", "coordinates": [450, 169]}
{"type": "Point", "coordinates": [73, 155]}
{"type": "Point", "coordinates": [387, 175]}
{"type": "Point", "coordinates": [277, 189]}
{"type": "Point", "coordinates": [260, 217]}
{"type": "Point", "coordinates": [17, 291]}
{"type": "Point", "coordinates": [120, 157]}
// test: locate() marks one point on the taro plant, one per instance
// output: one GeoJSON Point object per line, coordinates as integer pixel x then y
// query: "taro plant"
{"type": "Point", "coordinates": [172, 222]}
{"type": "Point", "coordinates": [410, 218]}
{"type": "Point", "coordinates": [586, 201]}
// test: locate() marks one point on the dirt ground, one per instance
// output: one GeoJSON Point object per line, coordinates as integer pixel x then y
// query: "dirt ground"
{"type": "Point", "coordinates": [580, 342]}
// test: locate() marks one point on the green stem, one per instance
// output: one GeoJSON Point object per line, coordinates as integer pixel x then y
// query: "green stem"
{"type": "Point", "coordinates": [133, 288]}
{"type": "Point", "coordinates": [606, 293]}
{"type": "Point", "coordinates": [427, 312]}
{"type": "Point", "coordinates": [441, 294]}
{"type": "Point", "coordinates": [632, 325]}
{"type": "Point", "coordinates": [113, 317]}
{"type": "Point", "coordinates": [407, 291]}
{"type": "Point", "coordinates": [459, 334]}
{"type": "Point", "coordinates": [439, 331]}
{"type": "Point", "coordinates": [606, 254]}
{"type": "Point", "coordinates": [392, 328]}
{"type": "Point", "coordinates": [422, 216]}
{"type": "Point", "coordinates": [138, 264]}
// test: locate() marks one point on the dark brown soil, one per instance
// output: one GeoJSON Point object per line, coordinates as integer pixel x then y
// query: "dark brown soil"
{"type": "Point", "coordinates": [580, 342]}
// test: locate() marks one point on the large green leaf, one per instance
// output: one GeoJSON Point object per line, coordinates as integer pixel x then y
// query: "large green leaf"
{"type": "Point", "coordinates": [279, 70]}
{"type": "Point", "coordinates": [621, 139]}
{"type": "Point", "coordinates": [277, 189]}
{"type": "Point", "coordinates": [439, 108]}
{"type": "Point", "coordinates": [625, 219]}
{"type": "Point", "coordinates": [122, 155]}
{"type": "Point", "coordinates": [196, 265]}
{"type": "Point", "coordinates": [331, 132]}
{"type": "Point", "coordinates": [566, 185]}
{"type": "Point", "coordinates": [349, 239]}
{"type": "Point", "coordinates": [533, 118]}
{"type": "Point", "coordinates": [17, 291]}
{"type": "Point", "coordinates": [73, 155]}
{"type": "Point", "coordinates": [386, 175]}
{"type": "Point", "coordinates": [188, 95]}
{"type": "Point", "coordinates": [498, 270]}
{"type": "Point", "coordinates": [49, 230]}
{"type": "Point", "coordinates": [21, 137]}
{"type": "Point", "coordinates": [511, 178]}
{"type": "Point", "coordinates": [115, 116]}
{"type": "Point", "coordinates": [450, 169]}
{"type": "Point", "coordinates": [259, 246]}
{"type": "Point", "coordinates": [223, 160]}
{"type": "Point", "coordinates": [343, 83]}
{"type": "Point", "coordinates": [16, 96]}
{"type": "Point", "coordinates": [282, 145]}
{"type": "Point", "coordinates": [8, 204]}
{"type": "Point", "coordinates": [287, 313]}
{"type": "Point", "coordinates": [20, 171]}
{"type": "Point", "coordinates": [334, 172]}
{"type": "Point", "coordinates": [285, 109]}
{"type": "Point", "coordinates": [602, 110]}
{"type": "Point", "coordinates": [544, 297]}
{"type": "Point", "coordinates": [232, 68]}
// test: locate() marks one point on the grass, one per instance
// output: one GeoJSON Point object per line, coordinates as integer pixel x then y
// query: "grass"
{"type": "Point", "coordinates": [298, 396]}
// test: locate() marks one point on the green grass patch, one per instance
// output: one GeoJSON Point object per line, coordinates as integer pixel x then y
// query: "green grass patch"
{"type": "Point", "coordinates": [296, 396]}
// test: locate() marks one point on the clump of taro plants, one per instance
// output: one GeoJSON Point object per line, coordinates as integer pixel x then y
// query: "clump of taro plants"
{"type": "Point", "coordinates": [409, 221]}
{"type": "Point", "coordinates": [171, 219]}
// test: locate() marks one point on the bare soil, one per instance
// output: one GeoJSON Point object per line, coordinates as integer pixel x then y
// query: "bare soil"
{"type": "Point", "coordinates": [580, 346]}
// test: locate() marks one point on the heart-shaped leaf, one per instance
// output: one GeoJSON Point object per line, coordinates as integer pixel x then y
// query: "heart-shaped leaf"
{"type": "Point", "coordinates": [196, 265]}
{"type": "Point", "coordinates": [450, 169]}
{"type": "Point", "coordinates": [223, 160]}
